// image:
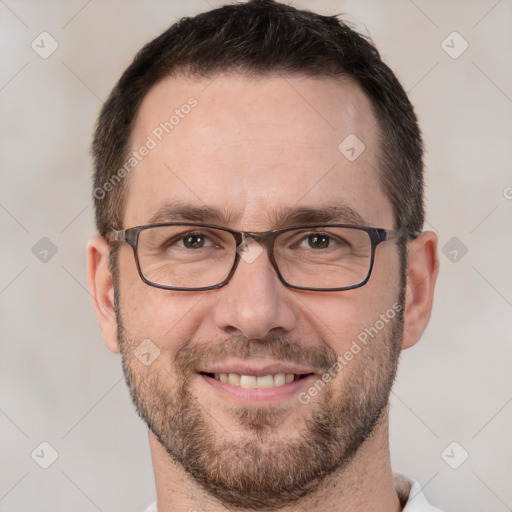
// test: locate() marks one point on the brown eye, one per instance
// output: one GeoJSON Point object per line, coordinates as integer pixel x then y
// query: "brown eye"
{"type": "Point", "coordinates": [318, 241]}
{"type": "Point", "coordinates": [194, 240]}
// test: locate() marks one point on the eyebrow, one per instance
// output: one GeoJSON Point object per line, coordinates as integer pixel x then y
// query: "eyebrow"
{"type": "Point", "coordinates": [178, 211]}
{"type": "Point", "coordinates": [328, 214]}
{"type": "Point", "coordinates": [282, 217]}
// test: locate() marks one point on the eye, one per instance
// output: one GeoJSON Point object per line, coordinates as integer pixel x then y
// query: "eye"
{"type": "Point", "coordinates": [317, 241]}
{"type": "Point", "coordinates": [194, 241]}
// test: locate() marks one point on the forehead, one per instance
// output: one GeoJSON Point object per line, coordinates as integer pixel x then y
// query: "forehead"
{"type": "Point", "coordinates": [254, 148]}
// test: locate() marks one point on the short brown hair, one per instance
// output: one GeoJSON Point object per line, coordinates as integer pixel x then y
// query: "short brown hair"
{"type": "Point", "coordinates": [263, 37]}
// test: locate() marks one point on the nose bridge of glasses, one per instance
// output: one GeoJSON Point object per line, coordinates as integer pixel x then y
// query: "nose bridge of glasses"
{"type": "Point", "coordinates": [251, 245]}
{"type": "Point", "coordinates": [265, 238]}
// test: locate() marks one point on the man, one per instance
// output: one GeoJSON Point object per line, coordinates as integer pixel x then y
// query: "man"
{"type": "Point", "coordinates": [265, 166]}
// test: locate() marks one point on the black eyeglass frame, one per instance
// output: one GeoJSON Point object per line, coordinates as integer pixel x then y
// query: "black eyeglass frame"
{"type": "Point", "coordinates": [267, 238]}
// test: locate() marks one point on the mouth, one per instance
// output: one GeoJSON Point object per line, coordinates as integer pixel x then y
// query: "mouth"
{"type": "Point", "coordinates": [256, 382]}
{"type": "Point", "coordinates": [250, 390]}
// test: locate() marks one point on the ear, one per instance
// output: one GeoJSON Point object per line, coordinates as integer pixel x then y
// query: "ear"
{"type": "Point", "coordinates": [102, 289]}
{"type": "Point", "coordinates": [422, 269]}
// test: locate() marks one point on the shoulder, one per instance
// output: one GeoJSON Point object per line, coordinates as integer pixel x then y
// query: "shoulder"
{"type": "Point", "coordinates": [151, 508]}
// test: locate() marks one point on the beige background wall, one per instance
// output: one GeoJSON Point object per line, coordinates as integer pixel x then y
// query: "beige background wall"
{"type": "Point", "coordinates": [60, 385]}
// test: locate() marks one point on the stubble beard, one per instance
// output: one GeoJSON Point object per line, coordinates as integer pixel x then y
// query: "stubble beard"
{"type": "Point", "coordinates": [255, 468]}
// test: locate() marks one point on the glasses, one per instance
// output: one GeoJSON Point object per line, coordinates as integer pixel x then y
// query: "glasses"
{"type": "Point", "coordinates": [196, 257]}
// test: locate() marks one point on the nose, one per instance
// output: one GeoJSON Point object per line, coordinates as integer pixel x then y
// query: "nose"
{"type": "Point", "coordinates": [254, 302]}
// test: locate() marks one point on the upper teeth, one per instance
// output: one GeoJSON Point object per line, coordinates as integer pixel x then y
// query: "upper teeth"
{"type": "Point", "coordinates": [251, 381]}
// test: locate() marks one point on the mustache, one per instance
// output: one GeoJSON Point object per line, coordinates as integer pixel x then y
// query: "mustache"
{"type": "Point", "coordinates": [275, 346]}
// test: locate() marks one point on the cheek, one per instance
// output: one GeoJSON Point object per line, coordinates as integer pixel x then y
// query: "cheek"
{"type": "Point", "coordinates": [167, 318]}
{"type": "Point", "coordinates": [340, 318]}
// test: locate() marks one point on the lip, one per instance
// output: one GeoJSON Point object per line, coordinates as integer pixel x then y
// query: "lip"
{"type": "Point", "coordinates": [258, 370]}
{"type": "Point", "coordinates": [245, 396]}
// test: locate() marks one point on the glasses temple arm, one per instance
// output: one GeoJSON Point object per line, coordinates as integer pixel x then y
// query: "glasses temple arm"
{"type": "Point", "coordinates": [117, 236]}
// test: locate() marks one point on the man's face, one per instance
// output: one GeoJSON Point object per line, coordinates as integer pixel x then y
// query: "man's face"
{"type": "Point", "coordinates": [255, 151]}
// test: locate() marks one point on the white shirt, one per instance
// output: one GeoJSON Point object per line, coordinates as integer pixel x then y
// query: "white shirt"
{"type": "Point", "coordinates": [408, 490]}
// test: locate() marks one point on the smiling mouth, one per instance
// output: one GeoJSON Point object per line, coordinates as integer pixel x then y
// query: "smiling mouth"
{"type": "Point", "coordinates": [256, 382]}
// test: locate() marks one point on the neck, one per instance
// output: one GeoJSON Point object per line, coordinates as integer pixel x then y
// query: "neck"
{"type": "Point", "coordinates": [365, 484]}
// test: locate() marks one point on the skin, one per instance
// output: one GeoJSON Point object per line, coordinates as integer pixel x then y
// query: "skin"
{"type": "Point", "coordinates": [253, 147]}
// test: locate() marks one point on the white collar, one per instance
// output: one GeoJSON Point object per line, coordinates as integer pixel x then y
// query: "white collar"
{"type": "Point", "coordinates": [411, 495]}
